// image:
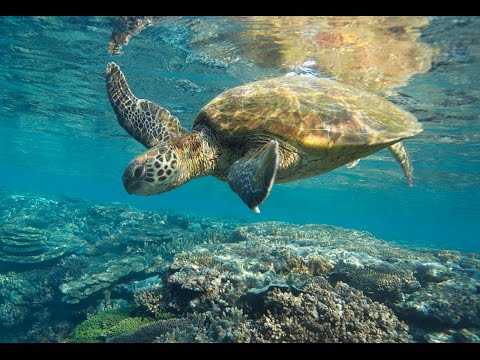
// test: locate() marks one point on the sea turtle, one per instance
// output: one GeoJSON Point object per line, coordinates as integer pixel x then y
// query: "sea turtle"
{"type": "Point", "coordinates": [280, 129]}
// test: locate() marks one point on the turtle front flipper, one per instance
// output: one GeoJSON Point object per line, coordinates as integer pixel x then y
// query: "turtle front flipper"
{"type": "Point", "coordinates": [145, 121]}
{"type": "Point", "coordinates": [400, 153]}
{"type": "Point", "coordinates": [253, 175]}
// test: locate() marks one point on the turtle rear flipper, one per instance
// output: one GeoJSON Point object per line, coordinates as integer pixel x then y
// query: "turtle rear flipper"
{"type": "Point", "coordinates": [145, 121]}
{"type": "Point", "coordinates": [252, 176]}
{"type": "Point", "coordinates": [400, 153]}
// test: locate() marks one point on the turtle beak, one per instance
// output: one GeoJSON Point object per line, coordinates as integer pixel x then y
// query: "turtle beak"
{"type": "Point", "coordinates": [134, 187]}
{"type": "Point", "coordinates": [129, 185]}
{"type": "Point", "coordinates": [133, 175]}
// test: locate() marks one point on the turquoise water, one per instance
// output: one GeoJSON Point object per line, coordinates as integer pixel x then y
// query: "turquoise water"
{"type": "Point", "coordinates": [73, 240]}
{"type": "Point", "coordinates": [60, 136]}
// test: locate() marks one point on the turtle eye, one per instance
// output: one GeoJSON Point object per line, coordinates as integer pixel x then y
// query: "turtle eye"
{"type": "Point", "coordinates": [139, 172]}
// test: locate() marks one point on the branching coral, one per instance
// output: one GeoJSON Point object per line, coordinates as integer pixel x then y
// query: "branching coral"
{"type": "Point", "coordinates": [150, 300]}
{"type": "Point", "coordinates": [311, 265]}
{"type": "Point", "coordinates": [149, 333]}
{"type": "Point", "coordinates": [321, 313]}
{"type": "Point", "coordinates": [316, 313]}
{"type": "Point", "coordinates": [230, 325]}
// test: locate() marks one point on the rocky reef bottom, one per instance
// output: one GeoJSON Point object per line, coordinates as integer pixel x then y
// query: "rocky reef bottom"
{"type": "Point", "coordinates": [72, 271]}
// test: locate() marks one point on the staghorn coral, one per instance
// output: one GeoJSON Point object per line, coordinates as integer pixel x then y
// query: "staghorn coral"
{"type": "Point", "coordinates": [197, 288]}
{"type": "Point", "coordinates": [230, 325]}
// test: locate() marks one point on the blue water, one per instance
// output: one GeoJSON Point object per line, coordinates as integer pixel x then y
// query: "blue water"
{"type": "Point", "coordinates": [59, 135]}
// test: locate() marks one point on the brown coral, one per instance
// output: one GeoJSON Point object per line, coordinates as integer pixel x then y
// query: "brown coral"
{"type": "Point", "coordinates": [150, 300]}
{"type": "Point", "coordinates": [383, 284]}
{"type": "Point", "coordinates": [312, 265]}
{"type": "Point", "coordinates": [322, 313]}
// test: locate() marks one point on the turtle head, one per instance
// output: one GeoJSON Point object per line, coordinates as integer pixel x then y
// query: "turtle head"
{"type": "Point", "coordinates": [153, 172]}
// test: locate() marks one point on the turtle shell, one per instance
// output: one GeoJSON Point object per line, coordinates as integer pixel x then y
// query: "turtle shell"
{"type": "Point", "coordinates": [307, 112]}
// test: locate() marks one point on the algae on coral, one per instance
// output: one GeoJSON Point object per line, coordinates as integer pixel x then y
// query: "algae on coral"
{"type": "Point", "coordinates": [109, 323]}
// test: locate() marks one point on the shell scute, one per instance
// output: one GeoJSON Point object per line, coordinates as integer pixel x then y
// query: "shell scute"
{"type": "Point", "coordinates": [310, 112]}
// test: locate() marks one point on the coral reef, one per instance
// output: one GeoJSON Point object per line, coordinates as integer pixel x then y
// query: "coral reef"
{"type": "Point", "coordinates": [283, 260]}
{"type": "Point", "coordinates": [317, 313]}
{"type": "Point", "coordinates": [93, 249]}
{"type": "Point", "coordinates": [453, 336]}
{"type": "Point", "coordinates": [35, 230]}
{"type": "Point", "coordinates": [230, 325]}
{"type": "Point", "coordinates": [322, 313]}
{"type": "Point", "coordinates": [108, 323]}
{"type": "Point", "coordinates": [150, 333]}
{"type": "Point", "coordinates": [384, 282]}
{"type": "Point", "coordinates": [27, 303]}
{"type": "Point", "coordinates": [236, 287]}
{"type": "Point", "coordinates": [225, 281]}
{"type": "Point", "coordinates": [449, 304]}
{"type": "Point", "coordinates": [101, 274]}
{"type": "Point", "coordinates": [27, 245]}
{"type": "Point", "coordinates": [18, 298]}
{"type": "Point", "coordinates": [149, 300]}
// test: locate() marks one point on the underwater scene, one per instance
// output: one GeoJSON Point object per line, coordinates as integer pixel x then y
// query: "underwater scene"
{"type": "Point", "coordinates": [311, 179]}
